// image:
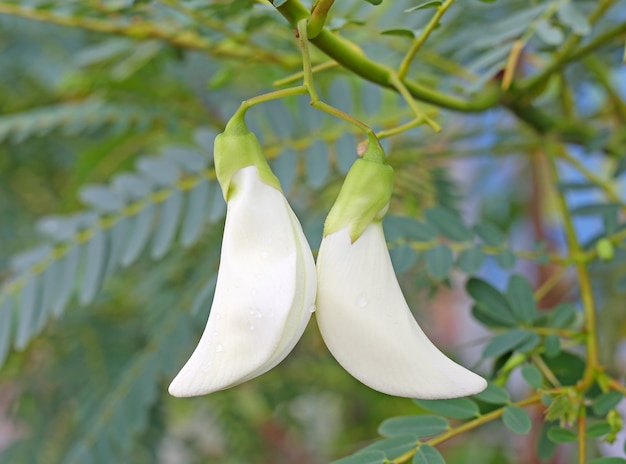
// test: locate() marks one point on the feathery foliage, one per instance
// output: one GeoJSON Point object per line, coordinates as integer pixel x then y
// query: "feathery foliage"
{"type": "Point", "coordinates": [505, 228]}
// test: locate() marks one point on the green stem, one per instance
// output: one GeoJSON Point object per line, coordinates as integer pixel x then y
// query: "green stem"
{"type": "Point", "coordinates": [319, 12]}
{"type": "Point", "coordinates": [283, 93]}
{"type": "Point", "coordinates": [418, 42]}
{"type": "Point", "coordinates": [564, 333]}
{"type": "Point", "coordinates": [400, 129]}
{"type": "Point", "coordinates": [419, 114]}
{"type": "Point", "coordinates": [606, 186]}
{"type": "Point", "coordinates": [307, 74]}
{"type": "Point", "coordinates": [300, 75]}
{"type": "Point", "coordinates": [545, 370]}
{"type": "Point", "coordinates": [584, 282]}
{"type": "Point", "coordinates": [519, 44]}
{"type": "Point", "coordinates": [348, 55]}
{"type": "Point", "coordinates": [310, 86]}
{"type": "Point", "coordinates": [601, 74]}
{"type": "Point", "coordinates": [549, 284]}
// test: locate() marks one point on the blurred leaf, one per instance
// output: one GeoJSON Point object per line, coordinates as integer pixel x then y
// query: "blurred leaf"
{"type": "Point", "coordinates": [6, 311]}
{"type": "Point", "coordinates": [67, 276]}
{"type": "Point", "coordinates": [552, 345]}
{"type": "Point", "coordinates": [532, 375]}
{"type": "Point", "coordinates": [201, 300]}
{"type": "Point", "coordinates": [160, 171]}
{"type": "Point", "coordinates": [74, 118]}
{"type": "Point", "coordinates": [491, 301]}
{"type": "Point", "coordinates": [448, 224]}
{"type": "Point", "coordinates": [400, 227]}
{"type": "Point", "coordinates": [285, 168]}
{"type": "Point", "coordinates": [471, 259]}
{"type": "Point", "coordinates": [516, 419]}
{"type": "Point", "coordinates": [366, 457]}
{"type": "Point", "coordinates": [490, 234]}
{"type": "Point", "coordinates": [439, 260]}
{"type": "Point", "coordinates": [506, 342]}
{"type": "Point", "coordinates": [569, 15]}
{"type": "Point", "coordinates": [392, 447]}
{"type": "Point", "coordinates": [522, 299]}
{"type": "Point", "coordinates": [346, 152]}
{"type": "Point", "coordinates": [317, 164]}
{"type": "Point", "coordinates": [494, 394]}
{"type": "Point", "coordinates": [597, 430]}
{"type": "Point", "coordinates": [113, 420]}
{"type": "Point", "coordinates": [549, 33]}
{"type": "Point", "coordinates": [195, 213]}
{"type": "Point", "coordinates": [101, 198]}
{"type": "Point", "coordinates": [427, 454]}
{"type": "Point", "coordinates": [596, 209]}
{"type": "Point", "coordinates": [506, 259]}
{"type": "Point", "coordinates": [567, 367]}
{"type": "Point", "coordinates": [139, 235]}
{"type": "Point", "coordinates": [456, 408]}
{"type": "Point", "coordinates": [562, 435]}
{"type": "Point", "coordinates": [403, 258]}
{"type": "Point", "coordinates": [169, 218]}
{"type": "Point", "coordinates": [419, 425]}
{"type": "Point", "coordinates": [545, 447]}
{"type": "Point", "coordinates": [28, 304]}
{"type": "Point", "coordinates": [605, 402]}
{"type": "Point", "coordinates": [93, 266]}
{"type": "Point", "coordinates": [562, 316]}
{"type": "Point", "coordinates": [530, 343]}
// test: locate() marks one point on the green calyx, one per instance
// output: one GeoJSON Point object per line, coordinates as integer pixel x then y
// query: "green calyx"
{"type": "Point", "coordinates": [237, 148]}
{"type": "Point", "coordinates": [364, 196]}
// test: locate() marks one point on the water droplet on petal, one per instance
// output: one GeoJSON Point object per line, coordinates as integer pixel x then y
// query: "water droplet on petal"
{"type": "Point", "coordinates": [254, 291]}
{"type": "Point", "coordinates": [312, 309]}
{"type": "Point", "coordinates": [361, 301]}
{"type": "Point", "coordinates": [219, 348]}
{"type": "Point", "coordinates": [218, 316]}
{"type": "Point", "coordinates": [264, 254]}
{"type": "Point", "coordinates": [250, 326]}
{"type": "Point", "coordinates": [256, 312]}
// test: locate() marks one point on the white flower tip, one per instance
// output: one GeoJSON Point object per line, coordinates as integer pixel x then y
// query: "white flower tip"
{"type": "Point", "coordinates": [180, 389]}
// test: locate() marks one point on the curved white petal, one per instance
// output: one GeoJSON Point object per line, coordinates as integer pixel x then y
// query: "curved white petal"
{"type": "Point", "coordinates": [264, 295]}
{"type": "Point", "coordinates": [368, 326]}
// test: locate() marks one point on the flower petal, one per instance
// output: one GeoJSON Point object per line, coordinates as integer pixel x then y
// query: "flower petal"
{"type": "Point", "coordinates": [264, 294]}
{"type": "Point", "coordinates": [368, 326]}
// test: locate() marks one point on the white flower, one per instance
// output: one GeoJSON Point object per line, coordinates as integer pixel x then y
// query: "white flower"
{"type": "Point", "coordinates": [368, 326]}
{"type": "Point", "coordinates": [265, 290]}
{"type": "Point", "coordinates": [361, 312]}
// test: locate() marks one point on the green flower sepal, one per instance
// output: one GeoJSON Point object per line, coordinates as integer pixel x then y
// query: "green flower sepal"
{"type": "Point", "coordinates": [364, 196]}
{"type": "Point", "coordinates": [237, 148]}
